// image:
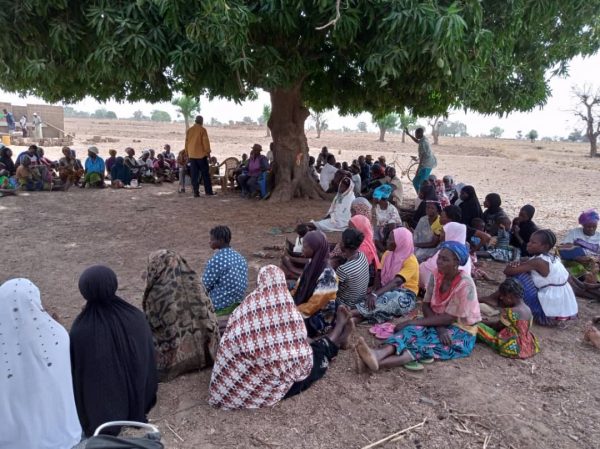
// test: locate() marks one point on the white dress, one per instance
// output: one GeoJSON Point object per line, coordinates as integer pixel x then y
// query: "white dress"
{"type": "Point", "coordinates": [554, 292]}
{"type": "Point", "coordinates": [339, 212]}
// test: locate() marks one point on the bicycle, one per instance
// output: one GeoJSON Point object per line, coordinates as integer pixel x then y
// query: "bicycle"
{"type": "Point", "coordinates": [410, 171]}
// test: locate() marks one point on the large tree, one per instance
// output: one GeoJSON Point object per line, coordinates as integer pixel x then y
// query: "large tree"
{"type": "Point", "coordinates": [385, 123]}
{"type": "Point", "coordinates": [187, 107]}
{"type": "Point", "coordinates": [589, 111]}
{"type": "Point", "coordinates": [376, 56]}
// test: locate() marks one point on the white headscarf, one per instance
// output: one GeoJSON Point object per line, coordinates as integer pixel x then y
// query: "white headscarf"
{"type": "Point", "coordinates": [37, 409]}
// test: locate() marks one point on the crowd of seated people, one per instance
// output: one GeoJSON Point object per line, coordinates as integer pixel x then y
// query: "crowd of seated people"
{"type": "Point", "coordinates": [414, 281]}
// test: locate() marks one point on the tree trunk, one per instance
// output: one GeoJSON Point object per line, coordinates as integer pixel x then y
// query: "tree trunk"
{"type": "Point", "coordinates": [290, 165]}
{"type": "Point", "coordinates": [436, 135]}
{"type": "Point", "coordinates": [268, 132]}
{"type": "Point", "coordinates": [382, 131]}
{"type": "Point", "coordinates": [318, 128]}
{"type": "Point", "coordinates": [403, 135]}
{"type": "Point", "coordinates": [186, 119]}
{"type": "Point", "coordinates": [593, 146]}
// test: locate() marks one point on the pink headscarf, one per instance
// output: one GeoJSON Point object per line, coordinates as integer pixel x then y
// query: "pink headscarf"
{"type": "Point", "coordinates": [363, 224]}
{"type": "Point", "coordinates": [453, 232]}
{"type": "Point", "coordinates": [394, 261]}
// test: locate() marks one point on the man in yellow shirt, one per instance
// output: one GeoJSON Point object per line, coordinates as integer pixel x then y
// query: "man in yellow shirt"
{"type": "Point", "coordinates": [197, 147]}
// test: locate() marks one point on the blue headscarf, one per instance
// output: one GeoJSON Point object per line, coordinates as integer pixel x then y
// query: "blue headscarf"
{"type": "Point", "coordinates": [460, 251]}
{"type": "Point", "coordinates": [382, 192]}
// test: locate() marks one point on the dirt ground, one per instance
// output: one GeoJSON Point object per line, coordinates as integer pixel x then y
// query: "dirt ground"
{"type": "Point", "coordinates": [550, 401]}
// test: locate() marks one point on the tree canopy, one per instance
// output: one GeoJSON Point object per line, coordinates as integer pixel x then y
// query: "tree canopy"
{"type": "Point", "coordinates": [489, 56]}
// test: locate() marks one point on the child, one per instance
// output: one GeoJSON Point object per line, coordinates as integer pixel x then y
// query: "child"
{"type": "Point", "coordinates": [355, 170]}
{"type": "Point", "coordinates": [225, 276]}
{"type": "Point", "coordinates": [500, 250]}
{"type": "Point", "coordinates": [474, 245]}
{"type": "Point", "coordinates": [511, 336]}
{"type": "Point", "coordinates": [183, 161]}
{"type": "Point", "coordinates": [293, 262]}
{"type": "Point", "coordinates": [385, 212]}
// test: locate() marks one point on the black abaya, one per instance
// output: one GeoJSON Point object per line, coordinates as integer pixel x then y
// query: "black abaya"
{"type": "Point", "coordinates": [112, 355]}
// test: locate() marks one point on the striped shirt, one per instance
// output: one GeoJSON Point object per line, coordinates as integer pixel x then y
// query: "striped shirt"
{"type": "Point", "coordinates": [353, 280]}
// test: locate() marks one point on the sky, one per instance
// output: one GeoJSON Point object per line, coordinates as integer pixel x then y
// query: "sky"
{"type": "Point", "coordinates": [554, 119]}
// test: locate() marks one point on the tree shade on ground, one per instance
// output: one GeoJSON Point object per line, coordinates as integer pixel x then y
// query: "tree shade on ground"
{"type": "Point", "coordinates": [379, 57]}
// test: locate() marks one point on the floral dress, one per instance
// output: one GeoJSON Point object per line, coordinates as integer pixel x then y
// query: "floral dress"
{"type": "Point", "coordinates": [514, 341]}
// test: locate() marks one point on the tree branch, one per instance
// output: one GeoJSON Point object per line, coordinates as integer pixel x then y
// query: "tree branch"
{"type": "Point", "coordinates": [334, 21]}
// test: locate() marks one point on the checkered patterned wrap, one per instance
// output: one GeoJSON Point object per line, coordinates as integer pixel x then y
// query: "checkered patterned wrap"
{"type": "Point", "coordinates": [264, 348]}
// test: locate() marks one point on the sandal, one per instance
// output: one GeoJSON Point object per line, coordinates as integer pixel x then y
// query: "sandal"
{"type": "Point", "coordinates": [414, 366]}
{"type": "Point", "coordinates": [427, 361]}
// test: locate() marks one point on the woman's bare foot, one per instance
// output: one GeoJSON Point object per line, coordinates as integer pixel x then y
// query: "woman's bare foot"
{"type": "Point", "coordinates": [349, 329]}
{"type": "Point", "coordinates": [358, 362]}
{"type": "Point", "coordinates": [367, 355]}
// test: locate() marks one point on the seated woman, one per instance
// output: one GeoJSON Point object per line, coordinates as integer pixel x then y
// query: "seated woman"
{"type": "Point", "coordinates": [426, 193]}
{"type": "Point", "coordinates": [69, 169]}
{"type": "Point", "coordinates": [546, 281]}
{"type": "Point", "coordinates": [339, 212]}
{"type": "Point", "coordinates": [522, 229]}
{"type": "Point", "coordinates": [469, 205]}
{"type": "Point", "coordinates": [511, 336]}
{"type": "Point", "coordinates": [225, 276]}
{"type": "Point", "coordinates": [454, 232]}
{"type": "Point", "coordinates": [367, 247]}
{"type": "Point", "coordinates": [493, 214]}
{"type": "Point", "coordinates": [163, 170]}
{"type": "Point", "coordinates": [293, 262]}
{"type": "Point", "coordinates": [428, 232]}
{"type": "Point", "coordinates": [361, 206]}
{"type": "Point", "coordinates": [120, 174]}
{"type": "Point", "coordinates": [110, 161]}
{"type": "Point", "coordinates": [94, 169]}
{"type": "Point", "coordinates": [38, 407]}
{"type": "Point", "coordinates": [146, 167]}
{"type": "Point", "coordinates": [28, 177]}
{"type": "Point", "coordinates": [181, 316]}
{"type": "Point", "coordinates": [353, 274]}
{"type": "Point", "coordinates": [448, 329]}
{"type": "Point", "coordinates": [261, 361]}
{"type": "Point", "coordinates": [580, 249]}
{"type": "Point", "coordinates": [6, 161]}
{"type": "Point", "coordinates": [257, 165]}
{"type": "Point", "coordinates": [316, 289]}
{"type": "Point", "coordinates": [133, 164]}
{"type": "Point", "coordinates": [396, 285]}
{"type": "Point", "coordinates": [111, 346]}
{"type": "Point", "coordinates": [386, 214]}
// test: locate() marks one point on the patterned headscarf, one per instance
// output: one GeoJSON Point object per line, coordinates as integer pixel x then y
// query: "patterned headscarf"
{"type": "Point", "coordinates": [459, 249]}
{"type": "Point", "coordinates": [393, 262]}
{"type": "Point", "coordinates": [589, 217]}
{"type": "Point", "coordinates": [362, 206]}
{"type": "Point", "coordinates": [264, 349]}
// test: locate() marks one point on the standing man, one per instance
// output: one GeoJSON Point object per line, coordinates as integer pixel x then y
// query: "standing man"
{"type": "Point", "coordinates": [427, 160]}
{"type": "Point", "coordinates": [23, 123]}
{"type": "Point", "coordinates": [197, 147]}
{"type": "Point", "coordinates": [10, 121]}
{"type": "Point", "coordinates": [37, 124]}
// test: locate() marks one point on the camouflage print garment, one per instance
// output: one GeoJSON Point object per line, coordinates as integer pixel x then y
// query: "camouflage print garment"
{"type": "Point", "coordinates": [181, 316]}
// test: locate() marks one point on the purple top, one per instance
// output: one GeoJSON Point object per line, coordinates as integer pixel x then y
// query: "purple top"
{"type": "Point", "coordinates": [257, 165]}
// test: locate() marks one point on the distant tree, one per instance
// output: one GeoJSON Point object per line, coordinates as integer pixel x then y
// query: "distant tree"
{"type": "Point", "coordinates": [589, 112]}
{"type": "Point", "coordinates": [69, 111]}
{"type": "Point", "coordinates": [264, 118]}
{"type": "Point", "coordinates": [547, 139]}
{"type": "Point", "coordinates": [248, 121]}
{"type": "Point", "coordinates": [519, 135]}
{"type": "Point", "coordinates": [386, 123]}
{"type": "Point", "coordinates": [435, 123]}
{"type": "Point", "coordinates": [453, 129]}
{"type": "Point", "coordinates": [160, 116]}
{"type": "Point", "coordinates": [496, 132]}
{"type": "Point", "coordinates": [139, 115]}
{"type": "Point", "coordinates": [320, 122]}
{"type": "Point", "coordinates": [345, 129]}
{"type": "Point", "coordinates": [532, 135]}
{"type": "Point", "coordinates": [187, 107]}
{"type": "Point", "coordinates": [407, 121]}
{"type": "Point", "coordinates": [103, 113]}
{"type": "Point", "coordinates": [362, 127]}
{"type": "Point", "coordinates": [215, 122]}
{"type": "Point", "coordinates": [575, 136]}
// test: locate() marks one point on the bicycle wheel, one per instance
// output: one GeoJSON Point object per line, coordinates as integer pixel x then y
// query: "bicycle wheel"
{"type": "Point", "coordinates": [411, 171]}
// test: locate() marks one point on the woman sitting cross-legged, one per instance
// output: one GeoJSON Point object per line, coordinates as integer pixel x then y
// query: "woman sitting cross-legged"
{"type": "Point", "coordinates": [38, 408]}
{"type": "Point", "coordinates": [181, 316]}
{"type": "Point", "coordinates": [112, 355]}
{"type": "Point", "coordinates": [396, 285]}
{"type": "Point", "coordinates": [120, 174]}
{"type": "Point", "coordinates": [265, 355]}
{"type": "Point", "coordinates": [546, 281]}
{"type": "Point", "coordinates": [316, 289]}
{"type": "Point", "coordinates": [225, 276]}
{"type": "Point", "coordinates": [448, 329]}
{"type": "Point", "coordinates": [511, 336]}
{"type": "Point", "coordinates": [94, 169]}
{"type": "Point", "coordinates": [338, 214]}
{"type": "Point", "coordinates": [353, 274]}
{"type": "Point", "coordinates": [428, 232]}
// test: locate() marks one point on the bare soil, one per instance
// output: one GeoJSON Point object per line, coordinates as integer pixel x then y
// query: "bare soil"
{"type": "Point", "coordinates": [550, 401]}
